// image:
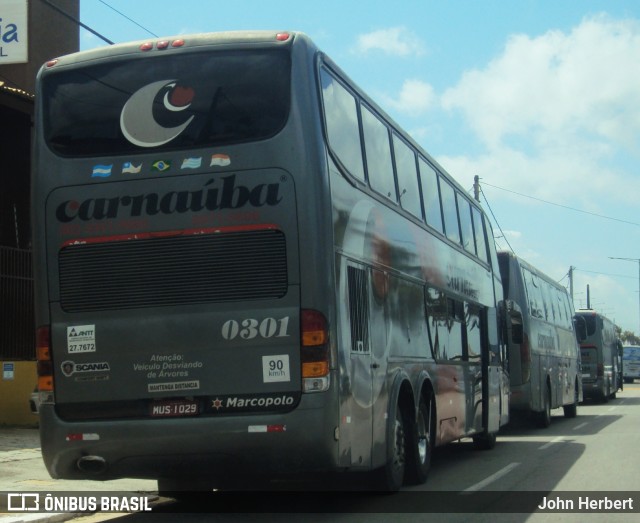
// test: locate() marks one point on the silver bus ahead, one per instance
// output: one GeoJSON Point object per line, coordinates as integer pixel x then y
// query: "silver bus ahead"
{"type": "Point", "coordinates": [544, 369]}
{"type": "Point", "coordinates": [601, 354]}
{"type": "Point", "coordinates": [244, 267]}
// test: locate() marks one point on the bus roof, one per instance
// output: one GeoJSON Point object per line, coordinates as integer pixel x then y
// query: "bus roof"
{"type": "Point", "coordinates": [182, 41]}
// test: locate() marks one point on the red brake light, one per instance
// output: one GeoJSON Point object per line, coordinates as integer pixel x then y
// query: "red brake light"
{"type": "Point", "coordinates": [282, 37]}
{"type": "Point", "coordinates": [315, 349]}
{"type": "Point", "coordinates": [43, 356]}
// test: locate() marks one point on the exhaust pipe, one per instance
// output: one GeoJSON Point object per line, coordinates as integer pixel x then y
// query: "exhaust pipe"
{"type": "Point", "coordinates": [93, 465]}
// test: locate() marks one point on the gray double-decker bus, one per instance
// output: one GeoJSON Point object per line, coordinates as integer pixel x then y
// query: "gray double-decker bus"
{"type": "Point", "coordinates": [244, 267]}
{"type": "Point", "coordinates": [544, 367]}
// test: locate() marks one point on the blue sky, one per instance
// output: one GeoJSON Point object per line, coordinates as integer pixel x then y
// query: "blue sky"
{"type": "Point", "coordinates": [541, 99]}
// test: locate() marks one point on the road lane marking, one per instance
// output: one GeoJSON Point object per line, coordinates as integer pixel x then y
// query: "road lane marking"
{"type": "Point", "coordinates": [554, 440]}
{"type": "Point", "coordinates": [492, 478]}
{"type": "Point", "coordinates": [580, 426]}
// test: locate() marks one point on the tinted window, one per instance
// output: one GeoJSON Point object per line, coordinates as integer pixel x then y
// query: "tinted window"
{"type": "Point", "coordinates": [474, 331]}
{"type": "Point", "coordinates": [169, 101]}
{"type": "Point", "coordinates": [478, 231]}
{"type": "Point", "coordinates": [343, 132]}
{"type": "Point", "coordinates": [407, 177]}
{"type": "Point", "coordinates": [449, 211]}
{"type": "Point", "coordinates": [534, 294]}
{"type": "Point", "coordinates": [445, 318]}
{"type": "Point", "coordinates": [466, 227]}
{"type": "Point", "coordinates": [378, 154]}
{"type": "Point", "coordinates": [431, 195]}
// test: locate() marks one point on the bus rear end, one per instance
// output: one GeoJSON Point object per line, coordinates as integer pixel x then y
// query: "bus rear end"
{"type": "Point", "coordinates": [174, 340]}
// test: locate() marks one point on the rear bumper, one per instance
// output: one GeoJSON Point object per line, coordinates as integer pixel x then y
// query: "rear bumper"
{"type": "Point", "coordinates": [213, 447]}
{"type": "Point", "coordinates": [593, 388]}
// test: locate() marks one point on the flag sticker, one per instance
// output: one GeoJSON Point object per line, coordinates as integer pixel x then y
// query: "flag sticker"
{"type": "Point", "coordinates": [221, 160]}
{"type": "Point", "coordinates": [129, 168]}
{"type": "Point", "coordinates": [101, 171]}
{"type": "Point", "coordinates": [191, 163]}
{"type": "Point", "coordinates": [161, 166]}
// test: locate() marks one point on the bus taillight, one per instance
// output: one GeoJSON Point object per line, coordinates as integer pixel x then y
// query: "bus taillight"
{"type": "Point", "coordinates": [44, 363]}
{"type": "Point", "coordinates": [314, 351]}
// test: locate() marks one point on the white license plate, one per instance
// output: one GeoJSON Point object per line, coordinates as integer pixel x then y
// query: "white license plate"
{"type": "Point", "coordinates": [174, 408]}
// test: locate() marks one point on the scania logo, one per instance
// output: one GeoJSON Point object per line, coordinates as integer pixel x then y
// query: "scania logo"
{"type": "Point", "coordinates": [207, 198]}
{"type": "Point", "coordinates": [70, 367]}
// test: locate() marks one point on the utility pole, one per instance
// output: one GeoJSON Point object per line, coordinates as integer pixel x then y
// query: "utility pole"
{"type": "Point", "coordinates": [476, 187]}
{"type": "Point", "coordinates": [571, 269]}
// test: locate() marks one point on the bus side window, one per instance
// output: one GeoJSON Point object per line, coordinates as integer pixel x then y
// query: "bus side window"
{"type": "Point", "coordinates": [437, 316]}
{"type": "Point", "coordinates": [431, 196]}
{"type": "Point", "coordinates": [343, 130]}
{"type": "Point", "coordinates": [407, 177]}
{"type": "Point", "coordinates": [478, 231]}
{"type": "Point", "coordinates": [546, 298]}
{"type": "Point", "coordinates": [378, 155]}
{"type": "Point", "coordinates": [456, 350]}
{"type": "Point", "coordinates": [450, 212]}
{"type": "Point", "coordinates": [466, 227]}
{"type": "Point", "coordinates": [473, 320]}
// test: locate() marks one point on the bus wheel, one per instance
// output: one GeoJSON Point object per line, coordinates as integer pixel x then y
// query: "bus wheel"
{"type": "Point", "coordinates": [391, 475]}
{"type": "Point", "coordinates": [419, 460]}
{"type": "Point", "coordinates": [571, 411]}
{"type": "Point", "coordinates": [545, 416]}
{"type": "Point", "coordinates": [485, 441]}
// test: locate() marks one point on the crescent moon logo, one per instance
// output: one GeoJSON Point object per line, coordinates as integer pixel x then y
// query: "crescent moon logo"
{"type": "Point", "coordinates": [136, 119]}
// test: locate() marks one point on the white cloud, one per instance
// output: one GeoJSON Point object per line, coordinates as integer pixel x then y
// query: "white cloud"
{"type": "Point", "coordinates": [395, 41]}
{"type": "Point", "coordinates": [415, 97]}
{"type": "Point", "coordinates": [558, 114]}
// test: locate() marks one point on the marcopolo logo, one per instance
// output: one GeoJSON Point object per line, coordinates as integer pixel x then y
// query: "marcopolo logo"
{"type": "Point", "coordinates": [253, 403]}
{"type": "Point", "coordinates": [210, 197]}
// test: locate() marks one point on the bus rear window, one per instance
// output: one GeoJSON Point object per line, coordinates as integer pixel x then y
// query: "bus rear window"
{"type": "Point", "coordinates": [174, 101]}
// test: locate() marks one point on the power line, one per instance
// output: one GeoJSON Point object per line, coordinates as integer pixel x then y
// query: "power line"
{"type": "Point", "coordinates": [496, 220]}
{"type": "Point", "coordinates": [608, 274]}
{"type": "Point", "coordinates": [563, 206]}
{"type": "Point", "coordinates": [76, 21]}
{"type": "Point", "coordinates": [130, 19]}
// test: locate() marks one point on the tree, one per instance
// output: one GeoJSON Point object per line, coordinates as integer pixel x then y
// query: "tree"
{"type": "Point", "coordinates": [628, 337]}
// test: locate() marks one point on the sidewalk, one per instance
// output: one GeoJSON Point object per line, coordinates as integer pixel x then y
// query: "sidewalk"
{"type": "Point", "coordinates": [22, 471]}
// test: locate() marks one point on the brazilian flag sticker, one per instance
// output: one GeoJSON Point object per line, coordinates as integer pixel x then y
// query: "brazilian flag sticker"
{"type": "Point", "coordinates": [160, 166]}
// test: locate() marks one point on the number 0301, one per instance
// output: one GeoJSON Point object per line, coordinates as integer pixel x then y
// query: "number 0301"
{"type": "Point", "coordinates": [250, 328]}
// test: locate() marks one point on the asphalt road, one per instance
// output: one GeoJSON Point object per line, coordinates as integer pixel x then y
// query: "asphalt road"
{"type": "Point", "coordinates": [593, 458]}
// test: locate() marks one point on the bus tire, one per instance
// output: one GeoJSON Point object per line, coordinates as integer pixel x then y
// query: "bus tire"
{"type": "Point", "coordinates": [390, 477]}
{"type": "Point", "coordinates": [544, 417]}
{"type": "Point", "coordinates": [606, 394]}
{"type": "Point", "coordinates": [485, 441]}
{"type": "Point", "coordinates": [421, 446]}
{"type": "Point", "coordinates": [571, 411]}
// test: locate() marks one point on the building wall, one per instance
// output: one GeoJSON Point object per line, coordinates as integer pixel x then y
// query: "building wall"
{"type": "Point", "coordinates": [15, 393]}
{"type": "Point", "coordinates": [51, 34]}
